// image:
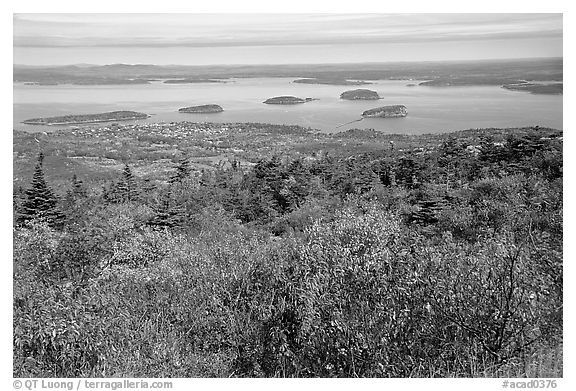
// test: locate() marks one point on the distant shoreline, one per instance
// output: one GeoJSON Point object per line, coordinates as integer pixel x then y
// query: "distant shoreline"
{"type": "Point", "coordinates": [445, 73]}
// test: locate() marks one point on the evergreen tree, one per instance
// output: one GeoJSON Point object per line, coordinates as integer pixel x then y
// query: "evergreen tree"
{"type": "Point", "coordinates": [384, 169]}
{"type": "Point", "coordinates": [491, 151]}
{"type": "Point", "coordinates": [127, 186]}
{"type": "Point", "coordinates": [427, 212]}
{"type": "Point", "coordinates": [78, 189]}
{"type": "Point", "coordinates": [182, 171]}
{"type": "Point", "coordinates": [451, 158]}
{"type": "Point", "coordinates": [75, 192]}
{"type": "Point", "coordinates": [40, 201]}
{"type": "Point", "coordinates": [297, 185]}
{"type": "Point", "coordinates": [268, 180]}
{"type": "Point", "coordinates": [124, 190]}
{"type": "Point", "coordinates": [18, 196]}
{"type": "Point", "coordinates": [408, 172]}
{"type": "Point", "coordinates": [168, 212]}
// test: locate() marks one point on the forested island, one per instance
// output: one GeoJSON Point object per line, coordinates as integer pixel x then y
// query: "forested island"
{"type": "Point", "coordinates": [360, 94]}
{"type": "Point", "coordinates": [202, 109]}
{"type": "Point", "coordinates": [87, 118]}
{"type": "Point", "coordinates": [386, 112]}
{"type": "Point", "coordinates": [286, 100]}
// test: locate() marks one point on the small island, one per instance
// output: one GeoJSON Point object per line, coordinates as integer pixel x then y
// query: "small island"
{"type": "Point", "coordinates": [202, 109]}
{"type": "Point", "coordinates": [360, 94]}
{"type": "Point", "coordinates": [286, 100]}
{"type": "Point", "coordinates": [75, 119]}
{"type": "Point", "coordinates": [386, 112]}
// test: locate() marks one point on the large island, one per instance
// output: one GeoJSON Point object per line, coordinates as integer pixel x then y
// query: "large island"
{"type": "Point", "coordinates": [75, 119]}
{"type": "Point", "coordinates": [360, 94]}
{"type": "Point", "coordinates": [202, 109]}
{"type": "Point", "coordinates": [386, 112]}
{"type": "Point", "coordinates": [286, 100]}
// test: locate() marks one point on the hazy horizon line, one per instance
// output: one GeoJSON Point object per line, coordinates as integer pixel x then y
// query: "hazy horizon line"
{"type": "Point", "coordinates": [294, 64]}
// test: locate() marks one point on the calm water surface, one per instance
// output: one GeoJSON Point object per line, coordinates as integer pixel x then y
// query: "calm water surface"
{"type": "Point", "coordinates": [430, 109]}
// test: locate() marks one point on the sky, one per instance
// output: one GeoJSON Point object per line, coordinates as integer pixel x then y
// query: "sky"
{"type": "Point", "coordinates": [205, 39]}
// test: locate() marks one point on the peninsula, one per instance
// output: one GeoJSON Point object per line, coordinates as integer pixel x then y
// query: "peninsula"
{"type": "Point", "coordinates": [286, 100]}
{"type": "Point", "coordinates": [74, 119]}
{"type": "Point", "coordinates": [202, 109]}
{"type": "Point", "coordinates": [386, 112]}
{"type": "Point", "coordinates": [537, 88]}
{"type": "Point", "coordinates": [360, 94]}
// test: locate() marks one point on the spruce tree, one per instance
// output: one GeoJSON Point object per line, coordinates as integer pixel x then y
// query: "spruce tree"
{"type": "Point", "coordinates": [427, 212]}
{"type": "Point", "coordinates": [40, 202]}
{"type": "Point", "coordinates": [74, 193]}
{"type": "Point", "coordinates": [78, 189]}
{"type": "Point", "coordinates": [182, 171]}
{"type": "Point", "coordinates": [168, 212]}
{"type": "Point", "coordinates": [124, 190]}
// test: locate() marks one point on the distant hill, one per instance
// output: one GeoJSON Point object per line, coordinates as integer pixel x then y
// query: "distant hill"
{"type": "Point", "coordinates": [488, 72]}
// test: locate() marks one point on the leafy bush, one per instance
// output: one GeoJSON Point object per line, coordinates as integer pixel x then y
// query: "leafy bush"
{"type": "Point", "coordinates": [436, 262]}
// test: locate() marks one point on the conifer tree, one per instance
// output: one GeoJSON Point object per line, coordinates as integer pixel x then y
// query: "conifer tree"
{"type": "Point", "coordinates": [168, 212]}
{"type": "Point", "coordinates": [40, 202]}
{"type": "Point", "coordinates": [75, 192]}
{"type": "Point", "coordinates": [17, 199]}
{"type": "Point", "coordinates": [182, 171]}
{"type": "Point", "coordinates": [78, 188]}
{"type": "Point", "coordinates": [427, 212]}
{"type": "Point", "coordinates": [490, 151]}
{"type": "Point", "coordinates": [124, 190]}
{"type": "Point", "coordinates": [407, 172]}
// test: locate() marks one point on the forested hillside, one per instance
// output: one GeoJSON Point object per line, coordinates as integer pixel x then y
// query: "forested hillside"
{"type": "Point", "coordinates": [357, 254]}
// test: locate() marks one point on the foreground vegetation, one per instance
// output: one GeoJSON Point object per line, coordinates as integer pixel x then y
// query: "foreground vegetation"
{"type": "Point", "coordinates": [419, 256]}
